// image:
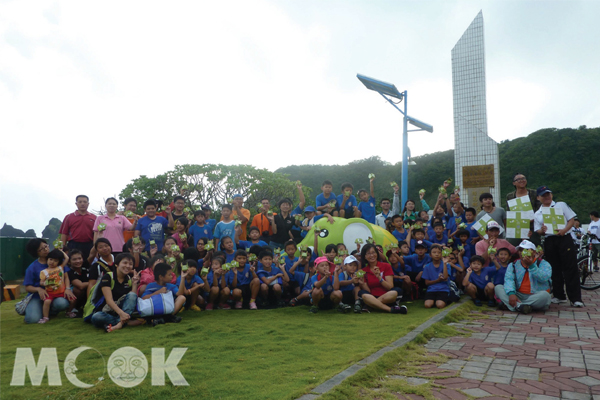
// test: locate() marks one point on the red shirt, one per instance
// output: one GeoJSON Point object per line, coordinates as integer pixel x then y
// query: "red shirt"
{"type": "Point", "coordinates": [373, 282]}
{"type": "Point", "coordinates": [78, 228]}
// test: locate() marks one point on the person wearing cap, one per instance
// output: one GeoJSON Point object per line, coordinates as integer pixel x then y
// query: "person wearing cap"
{"type": "Point", "coordinates": [310, 219]}
{"type": "Point", "coordinates": [210, 222]}
{"type": "Point", "coordinates": [377, 286]}
{"type": "Point", "coordinates": [482, 247]}
{"type": "Point", "coordinates": [263, 221]}
{"type": "Point", "coordinates": [242, 213]}
{"type": "Point", "coordinates": [559, 250]}
{"type": "Point", "coordinates": [324, 295]}
{"type": "Point", "coordinates": [345, 283]}
{"type": "Point", "coordinates": [577, 232]}
{"type": "Point", "coordinates": [489, 207]}
{"type": "Point", "coordinates": [415, 263]}
{"type": "Point", "coordinates": [526, 282]}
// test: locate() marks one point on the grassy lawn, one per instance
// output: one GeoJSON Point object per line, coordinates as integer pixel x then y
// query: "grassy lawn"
{"type": "Point", "coordinates": [264, 354]}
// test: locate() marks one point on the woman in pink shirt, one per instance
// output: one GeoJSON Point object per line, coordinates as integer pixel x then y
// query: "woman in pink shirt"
{"type": "Point", "coordinates": [114, 225]}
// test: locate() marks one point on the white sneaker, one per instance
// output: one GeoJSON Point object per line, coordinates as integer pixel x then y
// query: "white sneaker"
{"type": "Point", "coordinates": [577, 304]}
{"type": "Point", "coordinates": [556, 300]}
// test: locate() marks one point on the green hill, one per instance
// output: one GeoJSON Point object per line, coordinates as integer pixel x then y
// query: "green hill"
{"type": "Point", "coordinates": [565, 160]}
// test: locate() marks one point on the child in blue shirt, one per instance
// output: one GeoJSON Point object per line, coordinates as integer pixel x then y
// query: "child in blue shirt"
{"type": "Point", "coordinates": [303, 278]}
{"type": "Point", "coordinates": [226, 227]}
{"type": "Point", "coordinates": [194, 285]}
{"type": "Point", "coordinates": [327, 201]}
{"type": "Point", "coordinates": [217, 282]}
{"type": "Point", "coordinates": [347, 202]}
{"type": "Point", "coordinates": [228, 249]}
{"type": "Point", "coordinates": [414, 264]}
{"type": "Point", "coordinates": [346, 281]}
{"type": "Point", "coordinates": [456, 268]}
{"type": "Point", "coordinates": [470, 215]}
{"type": "Point", "coordinates": [478, 282]}
{"type": "Point", "coordinates": [254, 235]}
{"type": "Point", "coordinates": [415, 235]}
{"type": "Point", "coordinates": [200, 229]}
{"type": "Point", "coordinates": [399, 233]}
{"type": "Point", "coordinates": [435, 275]}
{"type": "Point", "coordinates": [310, 219]}
{"type": "Point", "coordinates": [367, 204]}
{"type": "Point", "coordinates": [323, 295]}
{"type": "Point", "coordinates": [271, 278]}
{"type": "Point", "coordinates": [163, 274]}
{"type": "Point", "coordinates": [440, 236]}
{"type": "Point", "coordinates": [500, 260]}
{"type": "Point", "coordinates": [243, 282]}
{"type": "Point", "coordinates": [401, 279]}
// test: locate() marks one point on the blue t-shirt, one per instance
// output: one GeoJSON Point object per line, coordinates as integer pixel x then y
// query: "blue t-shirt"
{"type": "Point", "coordinates": [229, 257]}
{"type": "Point", "coordinates": [225, 229]}
{"type": "Point", "coordinates": [413, 242]}
{"type": "Point", "coordinates": [304, 281]}
{"type": "Point", "coordinates": [210, 279]}
{"type": "Point", "coordinates": [289, 262]}
{"type": "Point", "coordinates": [199, 232]}
{"type": "Point", "coordinates": [153, 229]}
{"type": "Point", "coordinates": [189, 284]}
{"type": "Point", "coordinates": [499, 277]}
{"type": "Point", "coordinates": [443, 241]}
{"type": "Point", "coordinates": [486, 276]}
{"type": "Point", "coordinates": [351, 202]}
{"type": "Point", "coordinates": [267, 274]}
{"type": "Point", "coordinates": [399, 235]}
{"type": "Point", "coordinates": [368, 210]}
{"type": "Point", "coordinates": [322, 200]}
{"type": "Point", "coordinates": [413, 264]}
{"type": "Point", "coordinates": [246, 244]}
{"type": "Point", "coordinates": [327, 287]}
{"type": "Point", "coordinates": [431, 273]}
{"type": "Point", "coordinates": [154, 286]}
{"type": "Point", "coordinates": [344, 276]}
{"type": "Point", "coordinates": [211, 224]}
{"type": "Point", "coordinates": [244, 277]}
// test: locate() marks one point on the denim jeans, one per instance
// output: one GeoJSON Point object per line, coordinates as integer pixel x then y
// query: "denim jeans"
{"type": "Point", "coordinates": [33, 312]}
{"type": "Point", "coordinates": [101, 319]}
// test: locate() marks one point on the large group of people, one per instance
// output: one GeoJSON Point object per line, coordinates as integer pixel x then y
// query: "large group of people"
{"type": "Point", "coordinates": [174, 257]}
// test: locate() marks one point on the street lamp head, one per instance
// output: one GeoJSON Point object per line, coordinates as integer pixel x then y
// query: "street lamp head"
{"type": "Point", "coordinates": [419, 124]}
{"type": "Point", "coordinates": [380, 86]}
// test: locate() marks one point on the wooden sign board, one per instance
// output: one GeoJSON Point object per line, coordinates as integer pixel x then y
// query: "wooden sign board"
{"type": "Point", "coordinates": [477, 176]}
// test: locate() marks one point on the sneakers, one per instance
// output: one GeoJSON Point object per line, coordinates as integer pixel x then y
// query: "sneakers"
{"type": "Point", "coordinates": [43, 320]}
{"type": "Point", "coordinates": [344, 308]}
{"type": "Point", "coordinates": [71, 314]}
{"type": "Point", "coordinates": [172, 319]}
{"type": "Point", "coordinates": [195, 308]}
{"type": "Point", "coordinates": [293, 302]}
{"type": "Point", "coordinates": [224, 306]}
{"type": "Point", "coordinates": [556, 300]}
{"type": "Point", "coordinates": [238, 305]}
{"type": "Point", "coordinates": [492, 303]}
{"type": "Point", "coordinates": [157, 321]}
{"type": "Point", "coordinates": [357, 308]}
{"type": "Point", "coordinates": [209, 307]}
{"type": "Point", "coordinates": [253, 305]}
{"type": "Point", "coordinates": [578, 304]}
{"type": "Point", "coordinates": [524, 308]}
{"type": "Point", "coordinates": [399, 310]}
{"type": "Point", "coordinates": [314, 309]}
{"type": "Point", "coordinates": [477, 302]}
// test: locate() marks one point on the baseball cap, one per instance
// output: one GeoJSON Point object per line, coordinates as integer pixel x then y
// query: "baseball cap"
{"type": "Point", "coordinates": [492, 225]}
{"type": "Point", "coordinates": [526, 244]}
{"type": "Point", "coordinates": [206, 207]}
{"type": "Point", "coordinates": [350, 260]}
{"type": "Point", "coordinates": [309, 209]}
{"type": "Point", "coordinates": [421, 243]}
{"type": "Point", "coordinates": [237, 195]}
{"type": "Point", "coordinates": [542, 190]}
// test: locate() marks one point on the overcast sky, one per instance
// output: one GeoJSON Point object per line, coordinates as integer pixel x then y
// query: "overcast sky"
{"type": "Point", "coordinates": [94, 94]}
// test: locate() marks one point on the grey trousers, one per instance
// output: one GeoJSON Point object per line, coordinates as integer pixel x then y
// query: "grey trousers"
{"type": "Point", "coordinates": [537, 301]}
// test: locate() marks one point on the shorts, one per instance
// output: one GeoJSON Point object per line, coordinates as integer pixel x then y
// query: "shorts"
{"type": "Point", "coordinates": [52, 296]}
{"type": "Point", "coordinates": [325, 303]}
{"type": "Point", "coordinates": [349, 213]}
{"type": "Point", "coordinates": [481, 294]}
{"type": "Point", "coordinates": [246, 294]}
{"type": "Point", "coordinates": [435, 296]}
{"type": "Point", "coordinates": [348, 296]}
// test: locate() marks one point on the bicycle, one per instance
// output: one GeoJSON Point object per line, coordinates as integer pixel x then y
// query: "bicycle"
{"type": "Point", "coordinates": [590, 280]}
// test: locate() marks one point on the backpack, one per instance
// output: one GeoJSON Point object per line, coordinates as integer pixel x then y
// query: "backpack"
{"type": "Point", "coordinates": [454, 293]}
{"type": "Point", "coordinates": [96, 298]}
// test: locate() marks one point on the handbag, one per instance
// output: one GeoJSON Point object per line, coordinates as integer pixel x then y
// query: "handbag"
{"type": "Point", "coordinates": [159, 304]}
{"type": "Point", "coordinates": [21, 306]}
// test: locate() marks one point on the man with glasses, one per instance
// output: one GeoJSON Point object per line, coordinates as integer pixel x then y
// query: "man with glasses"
{"type": "Point", "coordinates": [385, 208]}
{"type": "Point", "coordinates": [520, 184]}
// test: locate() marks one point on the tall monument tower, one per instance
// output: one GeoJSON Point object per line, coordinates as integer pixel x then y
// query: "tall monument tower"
{"type": "Point", "coordinates": [476, 161]}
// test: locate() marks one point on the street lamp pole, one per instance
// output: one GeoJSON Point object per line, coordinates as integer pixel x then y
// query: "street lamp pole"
{"type": "Point", "coordinates": [387, 90]}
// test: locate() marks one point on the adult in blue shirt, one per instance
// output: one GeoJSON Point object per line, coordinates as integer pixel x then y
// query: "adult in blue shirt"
{"type": "Point", "coordinates": [33, 313]}
{"type": "Point", "coordinates": [152, 226]}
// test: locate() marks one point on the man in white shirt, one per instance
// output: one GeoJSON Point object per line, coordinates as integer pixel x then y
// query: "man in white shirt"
{"type": "Point", "coordinates": [385, 208]}
{"type": "Point", "coordinates": [559, 250]}
{"type": "Point", "coordinates": [594, 229]}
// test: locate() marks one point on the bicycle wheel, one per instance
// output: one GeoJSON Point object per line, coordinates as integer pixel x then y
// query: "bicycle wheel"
{"type": "Point", "coordinates": [589, 280]}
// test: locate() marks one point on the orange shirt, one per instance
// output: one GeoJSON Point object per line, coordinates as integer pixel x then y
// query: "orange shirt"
{"type": "Point", "coordinates": [262, 223]}
{"type": "Point", "coordinates": [129, 234]}
{"type": "Point", "coordinates": [525, 287]}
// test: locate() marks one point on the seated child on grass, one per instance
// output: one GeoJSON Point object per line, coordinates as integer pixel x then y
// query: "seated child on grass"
{"type": "Point", "coordinates": [323, 295]}
{"type": "Point", "coordinates": [55, 281]}
{"type": "Point", "coordinates": [346, 280]}
{"type": "Point", "coordinates": [500, 260]}
{"type": "Point", "coordinates": [194, 285]}
{"type": "Point", "coordinates": [218, 292]}
{"type": "Point", "coordinates": [435, 275]}
{"type": "Point", "coordinates": [478, 282]}
{"type": "Point", "coordinates": [401, 279]}
{"type": "Point", "coordinates": [304, 280]}
{"type": "Point", "coordinates": [163, 274]}
{"type": "Point", "coordinates": [271, 278]}
{"type": "Point", "coordinates": [243, 281]}
{"type": "Point", "coordinates": [228, 248]}
{"type": "Point", "coordinates": [415, 263]}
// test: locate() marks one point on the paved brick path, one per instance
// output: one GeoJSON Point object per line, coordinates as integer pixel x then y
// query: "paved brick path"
{"type": "Point", "coordinates": [540, 356]}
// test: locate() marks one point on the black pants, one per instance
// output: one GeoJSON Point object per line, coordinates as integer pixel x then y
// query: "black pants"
{"type": "Point", "coordinates": [561, 253]}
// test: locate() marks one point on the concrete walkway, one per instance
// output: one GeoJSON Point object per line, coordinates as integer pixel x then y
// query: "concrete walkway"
{"type": "Point", "coordinates": [541, 356]}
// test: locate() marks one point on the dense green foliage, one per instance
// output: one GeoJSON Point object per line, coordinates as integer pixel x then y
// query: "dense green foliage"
{"type": "Point", "coordinates": [562, 159]}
